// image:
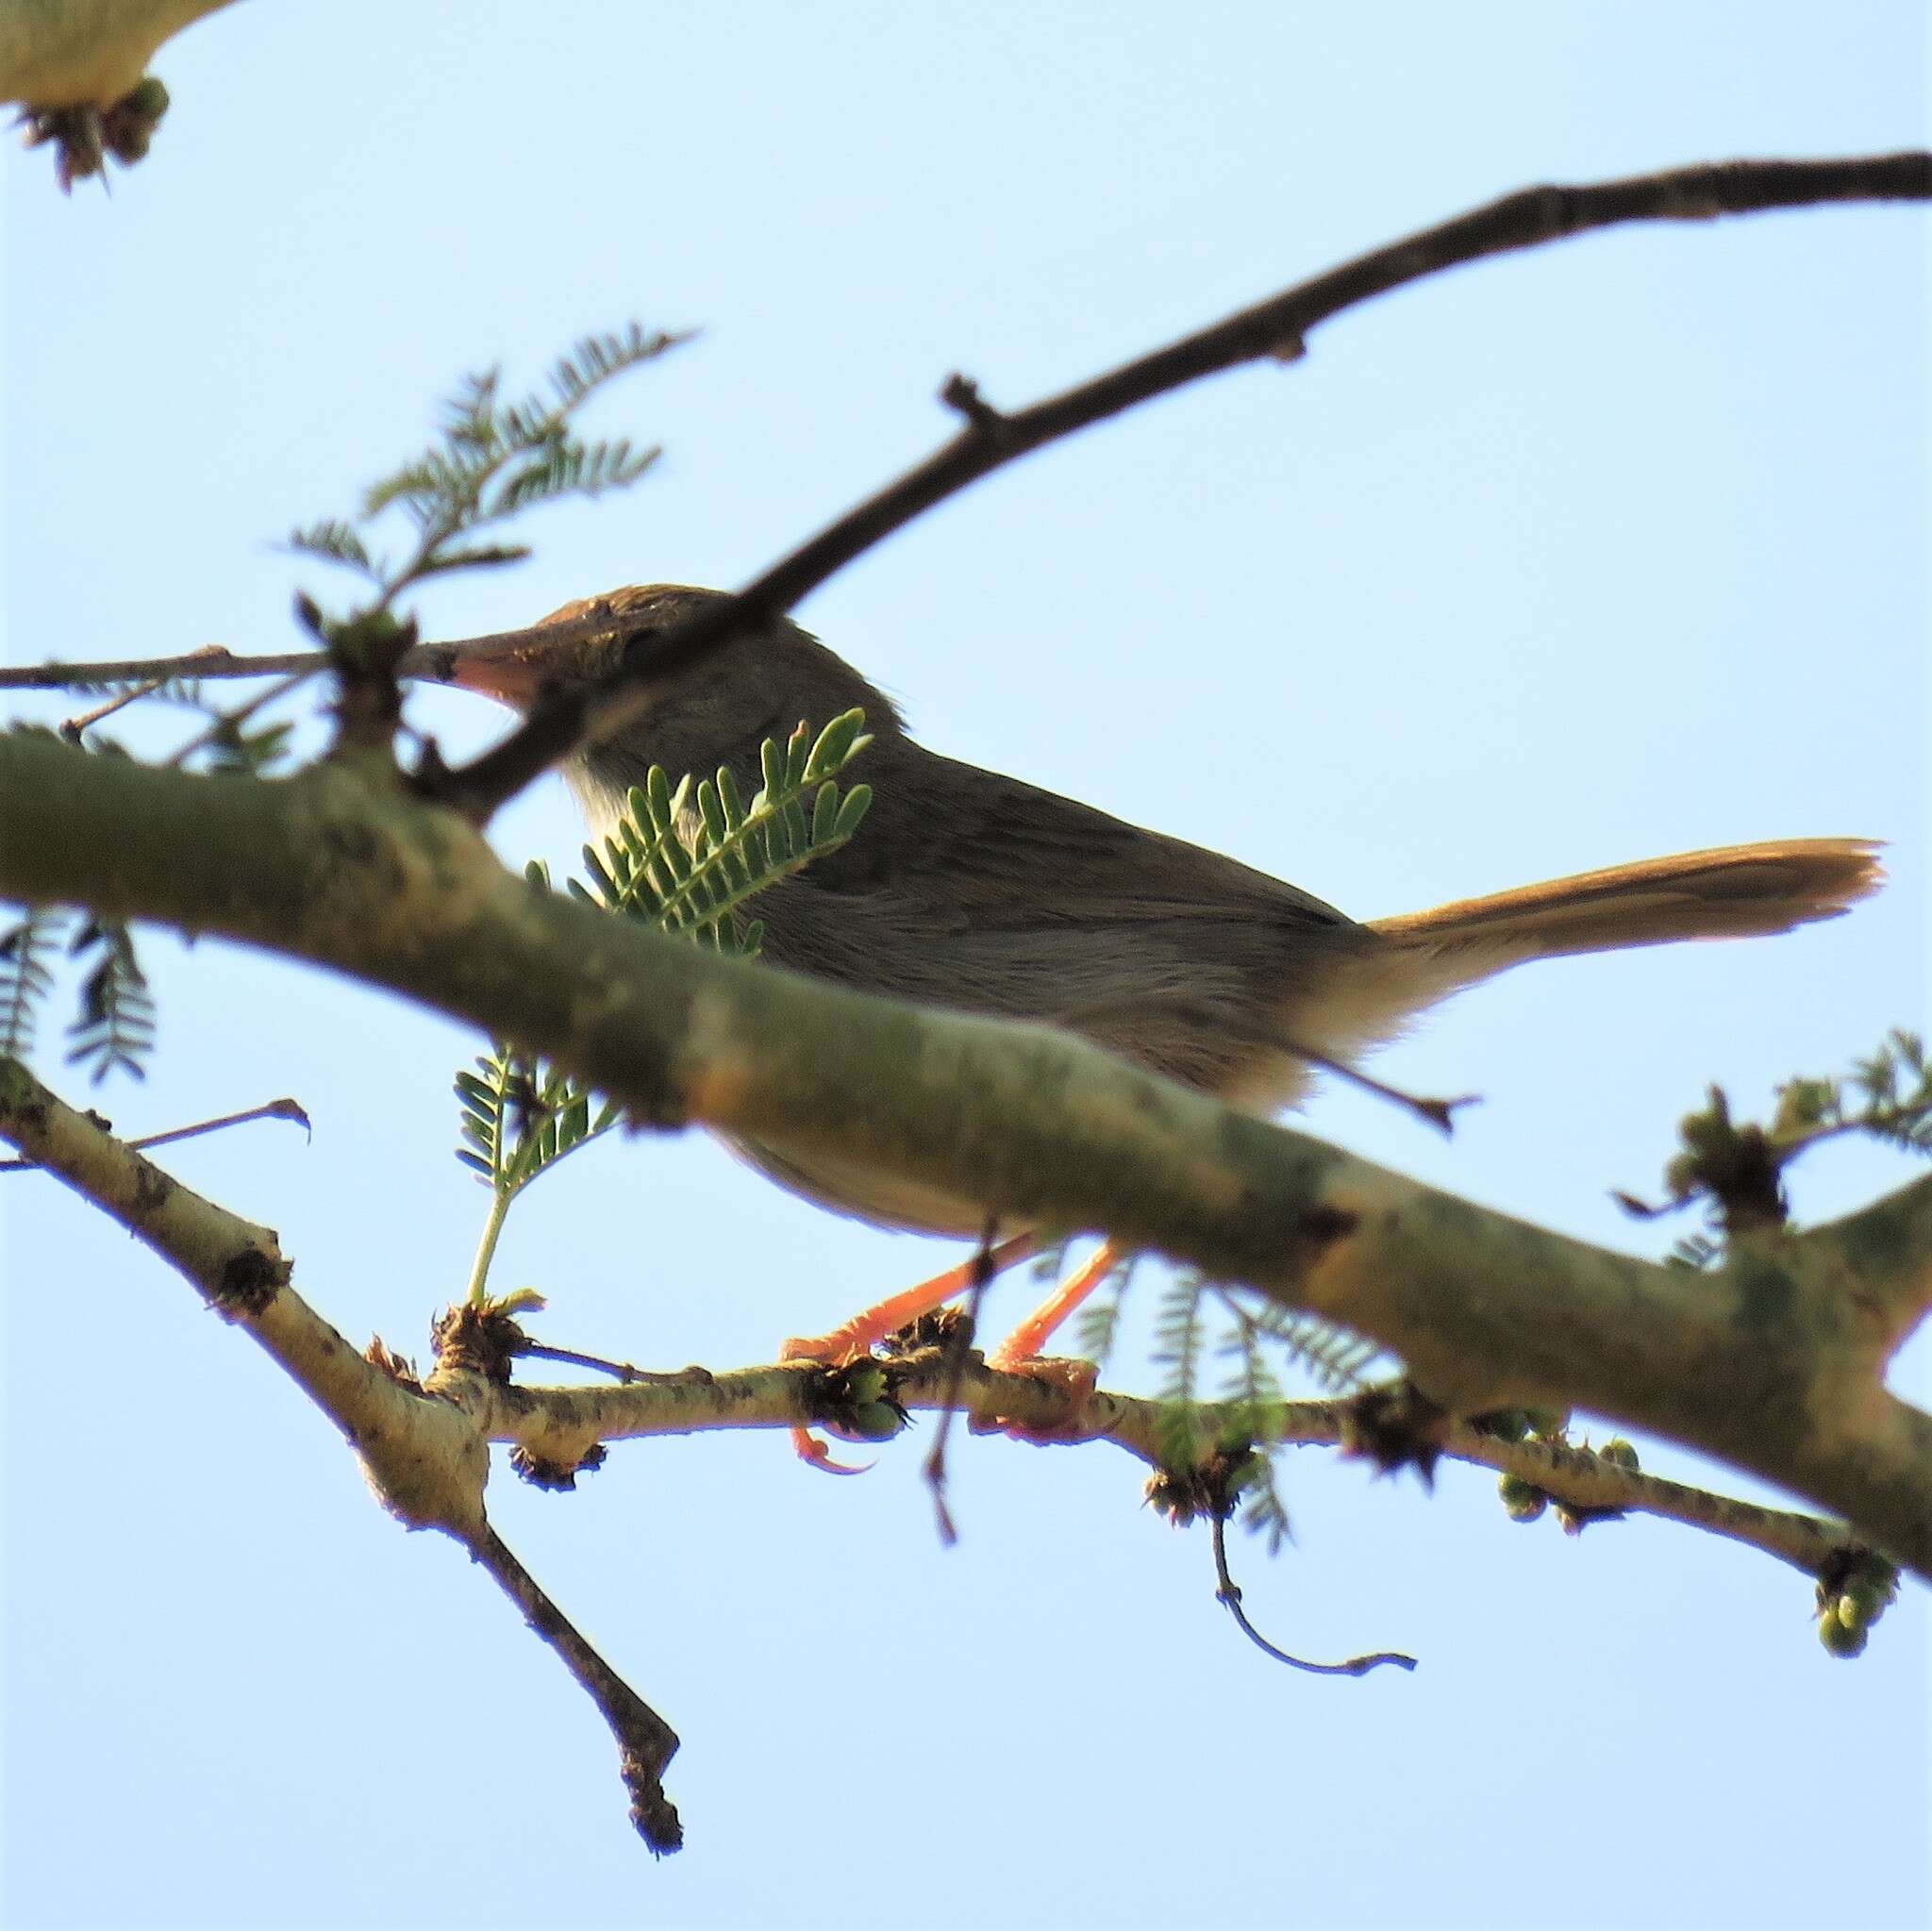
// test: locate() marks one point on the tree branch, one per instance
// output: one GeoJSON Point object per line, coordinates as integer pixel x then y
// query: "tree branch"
{"type": "Point", "coordinates": [1271, 330]}
{"type": "Point", "coordinates": [559, 1427]}
{"type": "Point", "coordinates": [990, 439]}
{"type": "Point", "coordinates": [1772, 1361]}
{"type": "Point", "coordinates": [237, 1269]}
{"type": "Point", "coordinates": [425, 1460]}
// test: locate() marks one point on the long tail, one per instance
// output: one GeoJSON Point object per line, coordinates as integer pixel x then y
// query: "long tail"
{"type": "Point", "coordinates": [1737, 892]}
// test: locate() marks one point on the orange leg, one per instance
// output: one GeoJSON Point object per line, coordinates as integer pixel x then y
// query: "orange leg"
{"type": "Point", "coordinates": [1020, 1348]}
{"type": "Point", "coordinates": [857, 1337]}
{"type": "Point", "coordinates": [1020, 1353]}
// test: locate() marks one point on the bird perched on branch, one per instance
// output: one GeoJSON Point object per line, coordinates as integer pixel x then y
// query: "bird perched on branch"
{"type": "Point", "coordinates": [975, 891]}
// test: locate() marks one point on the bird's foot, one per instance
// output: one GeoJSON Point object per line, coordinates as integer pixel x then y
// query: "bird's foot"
{"type": "Point", "coordinates": [851, 1344]}
{"type": "Point", "coordinates": [851, 1398]}
{"type": "Point", "coordinates": [1074, 1380]}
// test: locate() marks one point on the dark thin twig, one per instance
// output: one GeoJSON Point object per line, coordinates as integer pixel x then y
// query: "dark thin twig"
{"type": "Point", "coordinates": [645, 1741]}
{"type": "Point", "coordinates": [1228, 1593]}
{"type": "Point", "coordinates": [211, 660]}
{"type": "Point", "coordinates": [229, 720]}
{"type": "Point", "coordinates": [274, 1110]}
{"type": "Point", "coordinates": [1271, 330]}
{"type": "Point", "coordinates": [75, 727]}
{"type": "Point", "coordinates": [619, 1370]}
{"type": "Point", "coordinates": [958, 1345]}
{"type": "Point", "coordinates": [989, 439]}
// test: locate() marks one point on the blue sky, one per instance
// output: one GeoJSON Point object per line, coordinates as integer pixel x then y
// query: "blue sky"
{"type": "Point", "coordinates": [1606, 551]}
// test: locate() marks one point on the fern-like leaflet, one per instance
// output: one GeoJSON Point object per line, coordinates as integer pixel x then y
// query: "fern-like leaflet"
{"type": "Point", "coordinates": [1259, 1339]}
{"type": "Point", "coordinates": [1887, 1098]}
{"type": "Point", "coordinates": [688, 865]}
{"type": "Point", "coordinates": [27, 975]}
{"type": "Point", "coordinates": [491, 461]}
{"type": "Point", "coordinates": [1893, 1105]}
{"type": "Point", "coordinates": [686, 860]}
{"type": "Point", "coordinates": [116, 1024]}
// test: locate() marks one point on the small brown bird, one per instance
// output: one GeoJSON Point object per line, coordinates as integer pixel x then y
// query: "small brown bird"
{"type": "Point", "coordinates": [978, 892]}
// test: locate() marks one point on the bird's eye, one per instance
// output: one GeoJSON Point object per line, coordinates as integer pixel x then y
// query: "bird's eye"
{"type": "Point", "coordinates": [638, 641]}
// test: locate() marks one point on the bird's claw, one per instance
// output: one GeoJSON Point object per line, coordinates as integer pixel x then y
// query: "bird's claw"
{"type": "Point", "coordinates": [811, 1450]}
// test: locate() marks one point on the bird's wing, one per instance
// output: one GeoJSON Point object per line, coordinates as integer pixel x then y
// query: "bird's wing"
{"type": "Point", "coordinates": [963, 850]}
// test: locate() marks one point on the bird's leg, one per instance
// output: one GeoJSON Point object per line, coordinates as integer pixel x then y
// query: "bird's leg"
{"type": "Point", "coordinates": [857, 1337]}
{"type": "Point", "coordinates": [1019, 1354]}
{"type": "Point", "coordinates": [1022, 1347]}
{"type": "Point", "coordinates": [854, 1339]}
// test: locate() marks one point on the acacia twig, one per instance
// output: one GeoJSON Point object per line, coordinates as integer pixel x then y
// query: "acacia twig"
{"type": "Point", "coordinates": [423, 1456]}
{"type": "Point", "coordinates": [1487, 1311]}
{"type": "Point", "coordinates": [271, 1109]}
{"type": "Point", "coordinates": [647, 1743]}
{"type": "Point", "coordinates": [990, 439]}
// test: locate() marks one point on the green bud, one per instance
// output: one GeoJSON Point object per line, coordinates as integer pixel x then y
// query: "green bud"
{"type": "Point", "coordinates": [149, 98]}
{"type": "Point", "coordinates": [874, 1421]}
{"type": "Point", "coordinates": [1521, 1501]}
{"type": "Point", "coordinates": [1620, 1452]}
{"type": "Point", "coordinates": [865, 1382]}
{"type": "Point", "coordinates": [1681, 1175]}
{"type": "Point", "coordinates": [1837, 1639]}
{"type": "Point", "coordinates": [1862, 1602]}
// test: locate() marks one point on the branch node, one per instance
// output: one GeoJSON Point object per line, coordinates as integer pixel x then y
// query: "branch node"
{"type": "Point", "coordinates": [250, 1282]}
{"type": "Point", "coordinates": [1395, 1426]}
{"type": "Point", "coordinates": [1324, 1224]}
{"type": "Point", "coordinates": [558, 1478]}
{"type": "Point", "coordinates": [961, 393]}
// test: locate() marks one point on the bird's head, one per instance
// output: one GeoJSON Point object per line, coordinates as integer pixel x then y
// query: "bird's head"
{"type": "Point", "coordinates": [519, 674]}
{"type": "Point", "coordinates": [715, 709]}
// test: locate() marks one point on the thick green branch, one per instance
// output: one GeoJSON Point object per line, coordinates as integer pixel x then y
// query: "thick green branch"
{"type": "Point", "coordinates": [1766, 1362]}
{"type": "Point", "coordinates": [427, 1448]}
{"type": "Point", "coordinates": [1882, 1256]}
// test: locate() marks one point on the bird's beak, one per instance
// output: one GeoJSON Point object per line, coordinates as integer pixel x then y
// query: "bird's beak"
{"type": "Point", "coordinates": [514, 677]}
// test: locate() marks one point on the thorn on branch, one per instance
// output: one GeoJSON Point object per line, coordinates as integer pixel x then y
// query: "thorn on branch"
{"type": "Point", "coordinates": [1572, 1518]}
{"type": "Point", "coordinates": [274, 1110]}
{"type": "Point", "coordinates": [399, 1368]}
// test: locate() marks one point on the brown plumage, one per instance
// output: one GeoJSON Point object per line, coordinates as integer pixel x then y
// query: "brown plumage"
{"type": "Point", "coordinates": [979, 893]}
